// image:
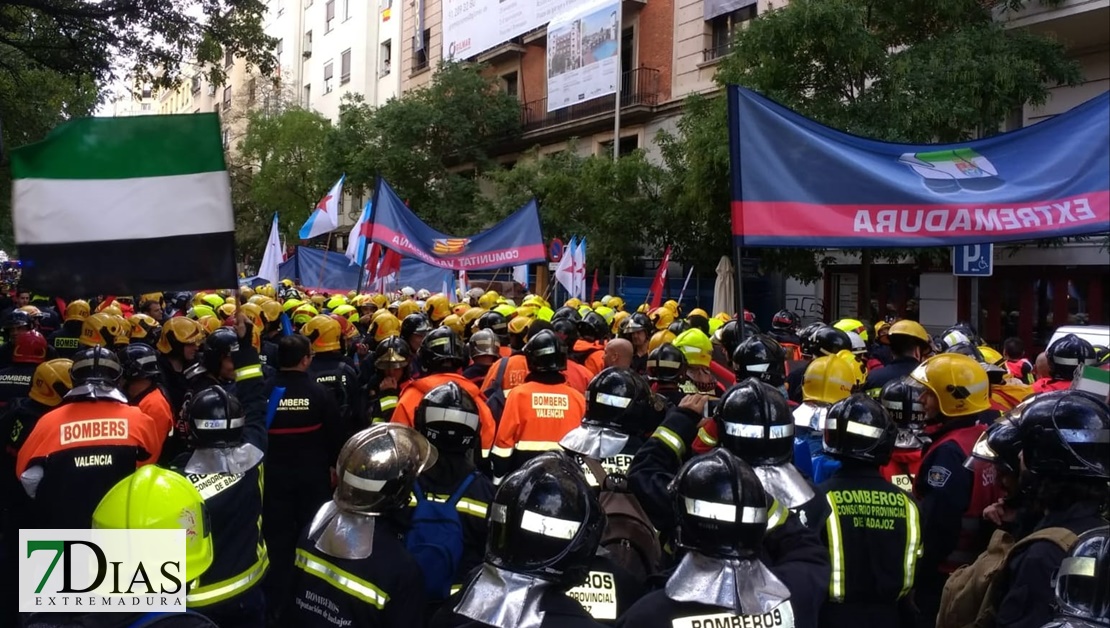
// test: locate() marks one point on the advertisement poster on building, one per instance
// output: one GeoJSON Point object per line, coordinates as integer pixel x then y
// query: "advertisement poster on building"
{"type": "Point", "coordinates": [471, 27]}
{"type": "Point", "coordinates": [582, 49]}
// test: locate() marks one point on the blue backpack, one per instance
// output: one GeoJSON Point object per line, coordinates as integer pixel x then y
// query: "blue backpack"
{"type": "Point", "coordinates": [435, 539]}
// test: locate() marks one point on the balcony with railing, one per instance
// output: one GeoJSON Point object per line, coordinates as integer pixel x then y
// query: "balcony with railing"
{"type": "Point", "coordinates": [639, 92]}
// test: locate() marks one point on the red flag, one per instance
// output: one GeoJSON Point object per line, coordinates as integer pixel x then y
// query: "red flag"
{"type": "Point", "coordinates": [660, 280]}
{"type": "Point", "coordinates": [593, 288]}
{"type": "Point", "coordinates": [372, 262]}
{"type": "Point", "coordinates": [391, 263]}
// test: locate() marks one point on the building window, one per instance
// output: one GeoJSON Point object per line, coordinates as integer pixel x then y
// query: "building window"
{"type": "Point", "coordinates": [308, 96]}
{"type": "Point", "coordinates": [329, 15]}
{"type": "Point", "coordinates": [345, 66]}
{"type": "Point", "coordinates": [329, 72]}
{"type": "Point", "coordinates": [229, 58]}
{"type": "Point", "coordinates": [629, 143]}
{"type": "Point", "coordinates": [227, 98]}
{"type": "Point", "coordinates": [145, 106]}
{"type": "Point", "coordinates": [251, 87]}
{"type": "Point", "coordinates": [510, 83]}
{"type": "Point", "coordinates": [147, 93]}
{"type": "Point", "coordinates": [386, 56]}
{"type": "Point", "coordinates": [278, 49]}
{"type": "Point", "coordinates": [196, 83]}
{"type": "Point", "coordinates": [346, 10]}
{"type": "Point", "coordinates": [722, 29]}
{"type": "Point", "coordinates": [307, 44]}
{"type": "Point", "coordinates": [420, 57]}
{"type": "Point", "coordinates": [226, 136]}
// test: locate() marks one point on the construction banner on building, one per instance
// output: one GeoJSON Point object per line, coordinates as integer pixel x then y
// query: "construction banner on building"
{"type": "Point", "coordinates": [513, 241]}
{"type": "Point", "coordinates": [798, 183]}
{"type": "Point", "coordinates": [582, 49]}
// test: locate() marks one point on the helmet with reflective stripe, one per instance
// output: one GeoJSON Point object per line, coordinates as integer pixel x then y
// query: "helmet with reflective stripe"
{"type": "Point", "coordinates": [760, 357]}
{"type": "Point", "coordinates": [95, 365]}
{"type": "Point", "coordinates": [378, 466]}
{"type": "Point", "coordinates": [900, 399]}
{"type": "Point", "coordinates": [448, 417]}
{"type": "Point", "coordinates": [754, 422]}
{"type": "Point", "coordinates": [619, 399]}
{"type": "Point", "coordinates": [77, 310]}
{"type": "Point", "coordinates": [545, 521]}
{"type": "Point", "coordinates": [784, 320]}
{"type": "Point", "coordinates": [825, 340]}
{"type": "Point", "coordinates": [29, 348]}
{"type": "Point", "coordinates": [441, 351]}
{"type": "Point", "coordinates": [1083, 580]}
{"type": "Point", "coordinates": [153, 498]}
{"type": "Point", "coordinates": [857, 428]}
{"type": "Point", "coordinates": [1064, 435]}
{"type": "Point", "coordinates": [959, 383]}
{"type": "Point", "coordinates": [666, 363]}
{"type": "Point", "coordinates": [1067, 354]}
{"type": "Point", "coordinates": [696, 345]}
{"type": "Point", "coordinates": [216, 418]}
{"type": "Point", "coordinates": [545, 353]}
{"type": "Point", "coordinates": [392, 353]}
{"type": "Point", "coordinates": [851, 324]}
{"type": "Point", "coordinates": [720, 506]}
{"type": "Point", "coordinates": [139, 361]}
{"type": "Point", "coordinates": [483, 343]}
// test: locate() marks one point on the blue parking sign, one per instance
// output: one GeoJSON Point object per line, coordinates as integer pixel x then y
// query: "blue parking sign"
{"type": "Point", "coordinates": [973, 260]}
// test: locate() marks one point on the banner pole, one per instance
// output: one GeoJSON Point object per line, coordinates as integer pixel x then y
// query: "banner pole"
{"type": "Point", "coordinates": [736, 183]}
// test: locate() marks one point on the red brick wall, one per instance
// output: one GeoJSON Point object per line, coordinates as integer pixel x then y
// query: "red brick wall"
{"type": "Point", "coordinates": [656, 42]}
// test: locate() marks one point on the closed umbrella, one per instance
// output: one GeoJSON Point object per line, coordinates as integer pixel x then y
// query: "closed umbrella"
{"type": "Point", "coordinates": [724, 291]}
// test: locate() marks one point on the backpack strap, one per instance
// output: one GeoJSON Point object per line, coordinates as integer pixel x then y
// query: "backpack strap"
{"type": "Point", "coordinates": [1062, 537]}
{"type": "Point", "coordinates": [496, 385]}
{"type": "Point", "coordinates": [598, 471]}
{"type": "Point", "coordinates": [461, 490]}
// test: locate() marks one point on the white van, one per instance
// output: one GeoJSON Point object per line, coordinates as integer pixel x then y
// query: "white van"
{"type": "Point", "coordinates": [1097, 335]}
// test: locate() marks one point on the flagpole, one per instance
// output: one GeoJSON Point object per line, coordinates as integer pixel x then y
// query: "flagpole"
{"type": "Point", "coordinates": [682, 292]}
{"type": "Point", "coordinates": [366, 249]}
{"type": "Point", "coordinates": [737, 193]}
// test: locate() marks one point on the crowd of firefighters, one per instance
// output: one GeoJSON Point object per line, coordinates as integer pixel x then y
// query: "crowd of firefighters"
{"type": "Point", "coordinates": [421, 459]}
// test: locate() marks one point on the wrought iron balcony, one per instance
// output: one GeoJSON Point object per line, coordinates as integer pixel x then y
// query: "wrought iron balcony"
{"type": "Point", "coordinates": [639, 88]}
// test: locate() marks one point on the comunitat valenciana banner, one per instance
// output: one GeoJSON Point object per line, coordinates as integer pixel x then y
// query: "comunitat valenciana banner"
{"type": "Point", "coordinates": [513, 241]}
{"type": "Point", "coordinates": [582, 49]}
{"type": "Point", "coordinates": [474, 26]}
{"type": "Point", "coordinates": [798, 183]}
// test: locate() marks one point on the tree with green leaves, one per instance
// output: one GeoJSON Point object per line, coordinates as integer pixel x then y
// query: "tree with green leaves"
{"type": "Point", "coordinates": [32, 102]}
{"type": "Point", "coordinates": [432, 144]}
{"type": "Point", "coordinates": [908, 71]}
{"type": "Point", "coordinates": [144, 40]}
{"type": "Point", "coordinates": [277, 168]}
{"type": "Point", "coordinates": [609, 202]}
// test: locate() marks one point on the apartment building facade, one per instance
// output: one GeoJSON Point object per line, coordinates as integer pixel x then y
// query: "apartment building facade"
{"type": "Point", "coordinates": [329, 48]}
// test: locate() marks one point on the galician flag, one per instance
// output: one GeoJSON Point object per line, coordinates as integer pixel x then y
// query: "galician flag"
{"type": "Point", "coordinates": [564, 272]}
{"type": "Point", "coordinates": [272, 256]}
{"type": "Point", "coordinates": [356, 242]}
{"type": "Point", "coordinates": [325, 217]}
{"type": "Point", "coordinates": [101, 204]}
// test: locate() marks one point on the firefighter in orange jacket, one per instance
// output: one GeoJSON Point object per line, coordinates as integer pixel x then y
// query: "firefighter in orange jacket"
{"type": "Point", "coordinates": [441, 360]}
{"type": "Point", "coordinates": [589, 349]}
{"type": "Point", "coordinates": [78, 451]}
{"type": "Point", "coordinates": [539, 412]}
